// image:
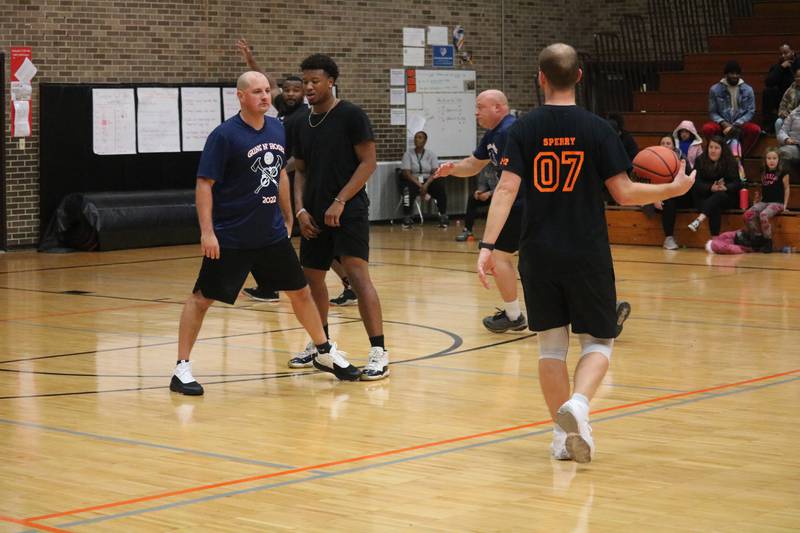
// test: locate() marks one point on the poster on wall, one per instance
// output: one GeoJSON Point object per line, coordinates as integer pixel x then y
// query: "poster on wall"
{"type": "Point", "coordinates": [22, 72]}
{"type": "Point", "coordinates": [157, 120]}
{"type": "Point", "coordinates": [113, 122]}
{"type": "Point", "coordinates": [200, 114]}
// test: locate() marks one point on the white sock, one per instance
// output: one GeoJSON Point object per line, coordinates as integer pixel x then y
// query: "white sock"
{"type": "Point", "coordinates": [512, 309]}
{"type": "Point", "coordinates": [581, 398]}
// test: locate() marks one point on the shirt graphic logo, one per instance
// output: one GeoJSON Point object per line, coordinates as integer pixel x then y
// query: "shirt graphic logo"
{"type": "Point", "coordinates": [269, 166]}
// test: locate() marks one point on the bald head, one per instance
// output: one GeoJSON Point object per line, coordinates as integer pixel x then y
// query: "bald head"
{"type": "Point", "coordinates": [249, 78]}
{"type": "Point", "coordinates": [559, 64]}
{"type": "Point", "coordinates": [490, 108]}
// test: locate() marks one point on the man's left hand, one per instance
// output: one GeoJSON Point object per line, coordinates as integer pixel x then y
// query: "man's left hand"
{"type": "Point", "coordinates": [333, 213]}
{"type": "Point", "coordinates": [485, 266]}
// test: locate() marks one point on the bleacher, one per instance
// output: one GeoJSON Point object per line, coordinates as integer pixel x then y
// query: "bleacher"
{"type": "Point", "coordinates": [753, 41]}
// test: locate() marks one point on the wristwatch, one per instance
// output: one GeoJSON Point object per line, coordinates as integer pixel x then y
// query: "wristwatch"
{"type": "Point", "coordinates": [485, 246]}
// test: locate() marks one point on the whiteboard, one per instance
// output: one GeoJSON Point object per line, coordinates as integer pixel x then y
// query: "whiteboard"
{"type": "Point", "coordinates": [443, 105]}
{"type": "Point", "coordinates": [113, 122]}
{"type": "Point", "coordinates": [200, 114]}
{"type": "Point", "coordinates": [157, 120]}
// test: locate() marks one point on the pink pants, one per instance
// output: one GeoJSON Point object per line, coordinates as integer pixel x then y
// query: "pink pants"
{"type": "Point", "coordinates": [757, 218]}
{"type": "Point", "coordinates": [723, 244]}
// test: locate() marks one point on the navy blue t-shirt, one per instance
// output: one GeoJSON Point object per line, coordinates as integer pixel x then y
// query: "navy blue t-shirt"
{"type": "Point", "coordinates": [245, 165]}
{"type": "Point", "coordinates": [493, 145]}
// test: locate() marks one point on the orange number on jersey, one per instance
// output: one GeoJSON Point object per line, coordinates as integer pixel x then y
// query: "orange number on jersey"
{"type": "Point", "coordinates": [547, 170]}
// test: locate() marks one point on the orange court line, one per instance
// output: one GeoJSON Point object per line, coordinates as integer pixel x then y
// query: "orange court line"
{"type": "Point", "coordinates": [29, 523]}
{"type": "Point", "coordinates": [392, 452]}
{"type": "Point", "coordinates": [88, 311]}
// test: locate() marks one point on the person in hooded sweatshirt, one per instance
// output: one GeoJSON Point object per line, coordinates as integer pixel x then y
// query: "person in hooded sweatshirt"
{"type": "Point", "coordinates": [731, 107]}
{"type": "Point", "coordinates": [688, 145]}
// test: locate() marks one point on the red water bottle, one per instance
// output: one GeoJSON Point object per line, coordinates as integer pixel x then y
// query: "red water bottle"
{"type": "Point", "coordinates": [744, 198]}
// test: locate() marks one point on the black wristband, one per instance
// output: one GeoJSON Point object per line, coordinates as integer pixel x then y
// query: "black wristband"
{"type": "Point", "coordinates": [485, 246]}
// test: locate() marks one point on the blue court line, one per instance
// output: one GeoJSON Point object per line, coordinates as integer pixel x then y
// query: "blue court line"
{"type": "Point", "coordinates": [121, 440]}
{"type": "Point", "coordinates": [418, 457]}
{"type": "Point", "coordinates": [531, 376]}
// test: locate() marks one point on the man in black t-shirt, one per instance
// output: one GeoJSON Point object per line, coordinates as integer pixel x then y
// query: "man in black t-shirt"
{"type": "Point", "coordinates": [561, 156]}
{"type": "Point", "coordinates": [334, 151]}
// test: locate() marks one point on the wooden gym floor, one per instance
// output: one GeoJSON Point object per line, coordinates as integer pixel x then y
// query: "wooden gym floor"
{"type": "Point", "coordinates": [696, 425]}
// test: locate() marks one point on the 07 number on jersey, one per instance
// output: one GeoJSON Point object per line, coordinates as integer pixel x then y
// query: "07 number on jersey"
{"type": "Point", "coordinates": [547, 170]}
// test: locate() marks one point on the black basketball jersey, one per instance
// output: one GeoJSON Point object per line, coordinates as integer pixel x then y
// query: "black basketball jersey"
{"type": "Point", "coordinates": [564, 154]}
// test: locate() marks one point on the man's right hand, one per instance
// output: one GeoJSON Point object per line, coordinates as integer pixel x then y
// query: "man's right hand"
{"type": "Point", "coordinates": [210, 245]}
{"type": "Point", "coordinates": [482, 196]}
{"type": "Point", "coordinates": [444, 170]}
{"type": "Point", "coordinates": [308, 226]}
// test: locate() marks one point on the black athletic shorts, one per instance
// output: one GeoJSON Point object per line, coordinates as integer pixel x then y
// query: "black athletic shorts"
{"type": "Point", "coordinates": [508, 240]}
{"type": "Point", "coordinates": [350, 239]}
{"type": "Point", "coordinates": [586, 300]}
{"type": "Point", "coordinates": [274, 266]}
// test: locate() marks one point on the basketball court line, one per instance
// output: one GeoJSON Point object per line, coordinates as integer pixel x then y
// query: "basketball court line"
{"type": "Point", "coordinates": [84, 312]}
{"type": "Point", "coordinates": [396, 451]}
{"type": "Point", "coordinates": [414, 458]}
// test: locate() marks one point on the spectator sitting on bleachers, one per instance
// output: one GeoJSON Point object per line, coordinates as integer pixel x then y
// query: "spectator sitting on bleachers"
{"type": "Point", "coordinates": [773, 201]}
{"type": "Point", "coordinates": [789, 138]}
{"type": "Point", "coordinates": [716, 185]}
{"type": "Point", "coordinates": [418, 166]}
{"type": "Point", "coordinates": [731, 107]}
{"type": "Point", "coordinates": [778, 79]}
{"type": "Point", "coordinates": [688, 142]}
{"type": "Point", "coordinates": [487, 181]}
{"type": "Point", "coordinates": [689, 146]}
{"type": "Point", "coordinates": [617, 123]}
{"type": "Point", "coordinates": [789, 102]}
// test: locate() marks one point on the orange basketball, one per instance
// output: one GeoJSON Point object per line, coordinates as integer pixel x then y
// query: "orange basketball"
{"type": "Point", "coordinates": [657, 164]}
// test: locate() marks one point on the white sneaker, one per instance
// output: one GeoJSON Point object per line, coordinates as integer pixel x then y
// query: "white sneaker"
{"type": "Point", "coordinates": [337, 364]}
{"type": "Point", "coordinates": [558, 448]}
{"type": "Point", "coordinates": [670, 244]}
{"type": "Point", "coordinates": [694, 225]}
{"type": "Point", "coordinates": [709, 247]}
{"type": "Point", "coordinates": [377, 364]}
{"type": "Point", "coordinates": [183, 381]}
{"type": "Point", "coordinates": [573, 417]}
{"type": "Point", "coordinates": [304, 359]}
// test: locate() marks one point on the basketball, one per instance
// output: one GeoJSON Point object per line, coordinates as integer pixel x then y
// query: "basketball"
{"type": "Point", "coordinates": [657, 164]}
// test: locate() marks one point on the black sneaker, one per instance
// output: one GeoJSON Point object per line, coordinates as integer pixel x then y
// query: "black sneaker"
{"type": "Point", "coordinates": [444, 221]}
{"type": "Point", "coordinates": [500, 323]}
{"type": "Point", "coordinates": [183, 381]}
{"type": "Point", "coordinates": [464, 236]}
{"type": "Point", "coordinates": [336, 363]}
{"type": "Point", "coordinates": [261, 296]}
{"type": "Point", "coordinates": [348, 297]}
{"type": "Point", "coordinates": [407, 222]}
{"type": "Point", "coordinates": [623, 312]}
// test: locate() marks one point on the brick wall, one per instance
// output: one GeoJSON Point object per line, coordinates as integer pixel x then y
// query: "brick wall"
{"type": "Point", "coordinates": [94, 41]}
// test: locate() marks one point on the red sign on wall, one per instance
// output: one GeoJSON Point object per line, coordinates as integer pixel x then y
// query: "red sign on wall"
{"type": "Point", "coordinates": [18, 56]}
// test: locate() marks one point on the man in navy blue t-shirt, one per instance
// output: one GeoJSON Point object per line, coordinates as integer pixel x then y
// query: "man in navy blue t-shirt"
{"type": "Point", "coordinates": [493, 114]}
{"type": "Point", "coordinates": [243, 205]}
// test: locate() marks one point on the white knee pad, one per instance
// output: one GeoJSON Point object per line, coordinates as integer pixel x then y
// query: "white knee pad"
{"type": "Point", "coordinates": [554, 343]}
{"type": "Point", "coordinates": [591, 344]}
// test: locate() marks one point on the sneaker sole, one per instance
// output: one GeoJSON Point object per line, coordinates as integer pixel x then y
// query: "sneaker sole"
{"type": "Point", "coordinates": [577, 448]}
{"type": "Point", "coordinates": [344, 304]}
{"type": "Point", "coordinates": [503, 330]}
{"type": "Point", "coordinates": [257, 299]}
{"type": "Point", "coordinates": [341, 373]}
{"type": "Point", "coordinates": [367, 377]}
{"type": "Point", "coordinates": [185, 392]}
{"type": "Point", "coordinates": [300, 365]}
{"type": "Point", "coordinates": [623, 312]}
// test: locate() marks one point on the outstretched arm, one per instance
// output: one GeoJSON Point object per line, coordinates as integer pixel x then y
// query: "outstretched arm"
{"type": "Point", "coordinates": [467, 167]}
{"type": "Point", "coordinates": [247, 54]}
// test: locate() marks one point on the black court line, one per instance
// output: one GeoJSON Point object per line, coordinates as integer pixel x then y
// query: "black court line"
{"type": "Point", "coordinates": [72, 267]}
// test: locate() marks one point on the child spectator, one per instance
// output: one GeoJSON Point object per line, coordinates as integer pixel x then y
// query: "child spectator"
{"type": "Point", "coordinates": [688, 142]}
{"type": "Point", "coordinates": [734, 242]}
{"type": "Point", "coordinates": [774, 198]}
{"type": "Point", "coordinates": [716, 185]}
{"type": "Point", "coordinates": [667, 142]}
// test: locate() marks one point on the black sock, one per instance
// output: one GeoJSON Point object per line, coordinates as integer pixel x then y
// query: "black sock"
{"type": "Point", "coordinates": [325, 347]}
{"type": "Point", "coordinates": [346, 282]}
{"type": "Point", "coordinates": [377, 340]}
{"type": "Point", "coordinates": [325, 328]}
{"type": "Point", "coordinates": [182, 361]}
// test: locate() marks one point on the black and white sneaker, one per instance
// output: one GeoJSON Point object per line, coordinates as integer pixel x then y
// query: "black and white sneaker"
{"type": "Point", "coordinates": [304, 359]}
{"type": "Point", "coordinates": [500, 323]}
{"type": "Point", "coordinates": [348, 297]}
{"type": "Point", "coordinates": [623, 312]}
{"type": "Point", "coordinates": [377, 365]}
{"type": "Point", "coordinates": [255, 293]}
{"type": "Point", "coordinates": [183, 381]}
{"type": "Point", "coordinates": [335, 362]}
{"type": "Point", "coordinates": [407, 222]}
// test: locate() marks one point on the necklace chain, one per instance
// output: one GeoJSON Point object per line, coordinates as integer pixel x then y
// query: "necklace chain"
{"type": "Point", "coordinates": [323, 117]}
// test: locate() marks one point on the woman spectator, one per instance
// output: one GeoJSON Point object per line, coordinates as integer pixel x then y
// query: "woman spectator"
{"type": "Point", "coordinates": [418, 166]}
{"type": "Point", "coordinates": [716, 185]}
